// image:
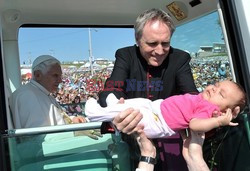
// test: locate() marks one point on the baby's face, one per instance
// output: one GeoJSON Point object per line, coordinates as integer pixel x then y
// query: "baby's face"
{"type": "Point", "coordinates": [224, 94]}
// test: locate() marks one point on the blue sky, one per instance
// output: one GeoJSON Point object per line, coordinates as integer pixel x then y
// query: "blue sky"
{"type": "Point", "coordinates": [68, 44]}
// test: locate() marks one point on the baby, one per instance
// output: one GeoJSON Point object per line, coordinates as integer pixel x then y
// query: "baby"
{"type": "Point", "coordinates": [162, 118]}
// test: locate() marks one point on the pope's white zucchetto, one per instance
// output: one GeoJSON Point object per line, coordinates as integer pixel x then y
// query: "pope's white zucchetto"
{"type": "Point", "coordinates": [43, 58]}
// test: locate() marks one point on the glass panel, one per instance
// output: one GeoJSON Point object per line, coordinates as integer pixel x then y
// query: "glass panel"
{"type": "Point", "coordinates": [76, 48]}
{"type": "Point", "coordinates": [67, 151]}
{"type": "Point", "coordinates": [204, 40]}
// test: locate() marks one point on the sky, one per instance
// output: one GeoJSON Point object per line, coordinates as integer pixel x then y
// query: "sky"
{"type": "Point", "coordinates": [72, 44]}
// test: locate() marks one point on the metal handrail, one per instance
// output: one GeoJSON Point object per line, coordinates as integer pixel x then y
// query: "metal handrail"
{"type": "Point", "coordinates": [52, 129]}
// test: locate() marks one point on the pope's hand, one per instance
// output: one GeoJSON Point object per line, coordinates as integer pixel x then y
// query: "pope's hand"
{"type": "Point", "coordinates": [93, 133]}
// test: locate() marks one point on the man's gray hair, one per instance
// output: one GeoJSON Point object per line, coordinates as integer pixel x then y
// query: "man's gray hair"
{"type": "Point", "coordinates": [45, 65]}
{"type": "Point", "coordinates": [152, 15]}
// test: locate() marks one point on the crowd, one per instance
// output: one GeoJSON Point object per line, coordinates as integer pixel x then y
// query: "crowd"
{"type": "Point", "coordinates": [77, 87]}
{"type": "Point", "coordinates": [207, 72]}
{"type": "Point", "coordinates": [81, 85]}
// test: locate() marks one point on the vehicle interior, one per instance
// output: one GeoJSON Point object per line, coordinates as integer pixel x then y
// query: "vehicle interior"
{"type": "Point", "coordinates": [57, 147]}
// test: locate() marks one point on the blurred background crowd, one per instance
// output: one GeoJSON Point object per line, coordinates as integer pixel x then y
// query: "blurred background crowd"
{"type": "Point", "coordinates": [77, 86]}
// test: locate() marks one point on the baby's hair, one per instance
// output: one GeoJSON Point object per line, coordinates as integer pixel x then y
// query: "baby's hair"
{"type": "Point", "coordinates": [242, 102]}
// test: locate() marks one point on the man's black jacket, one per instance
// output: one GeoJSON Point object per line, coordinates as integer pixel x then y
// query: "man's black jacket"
{"type": "Point", "coordinates": [132, 77]}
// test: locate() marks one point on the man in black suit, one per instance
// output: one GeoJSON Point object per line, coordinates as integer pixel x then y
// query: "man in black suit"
{"type": "Point", "coordinates": [150, 69]}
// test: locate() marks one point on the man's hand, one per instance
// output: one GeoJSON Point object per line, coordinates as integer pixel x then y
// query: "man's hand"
{"type": "Point", "coordinates": [192, 144]}
{"type": "Point", "coordinates": [186, 141]}
{"type": "Point", "coordinates": [127, 120]}
{"type": "Point", "coordinates": [195, 145]}
{"type": "Point", "coordinates": [147, 148]}
{"type": "Point", "coordinates": [192, 151]}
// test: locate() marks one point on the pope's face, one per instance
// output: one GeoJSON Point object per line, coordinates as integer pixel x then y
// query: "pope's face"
{"type": "Point", "coordinates": [155, 42]}
{"type": "Point", "coordinates": [52, 78]}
